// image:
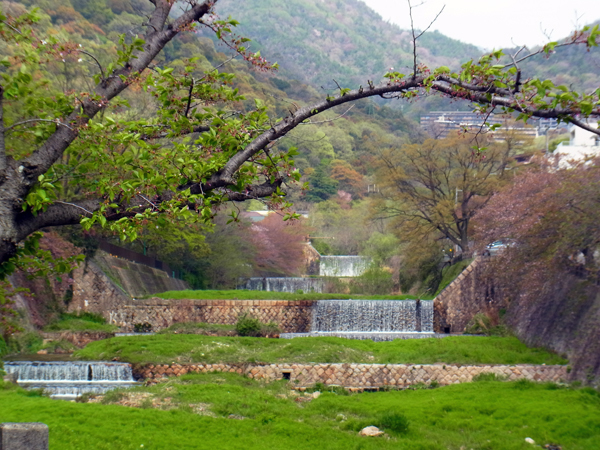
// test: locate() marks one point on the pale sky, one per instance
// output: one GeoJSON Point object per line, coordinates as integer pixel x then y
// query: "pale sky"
{"type": "Point", "coordinates": [494, 23]}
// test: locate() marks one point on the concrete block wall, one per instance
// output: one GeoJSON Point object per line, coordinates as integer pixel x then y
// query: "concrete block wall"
{"type": "Point", "coordinates": [469, 294]}
{"type": "Point", "coordinates": [290, 316]}
{"type": "Point", "coordinates": [361, 376]}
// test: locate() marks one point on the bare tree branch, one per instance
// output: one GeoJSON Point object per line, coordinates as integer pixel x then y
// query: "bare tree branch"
{"type": "Point", "coordinates": [415, 36]}
{"type": "Point", "coordinates": [328, 120]}
{"type": "Point", "coordinates": [189, 100]}
{"type": "Point", "coordinates": [54, 121]}
{"type": "Point", "coordinates": [97, 62]}
{"type": "Point", "coordinates": [52, 149]}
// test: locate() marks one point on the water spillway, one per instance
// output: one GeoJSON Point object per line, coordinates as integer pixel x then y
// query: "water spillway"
{"type": "Point", "coordinates": [71, 379]}
{"type": "Point", "coordinates": [372, 316]}
{"type": "Point", "coordinates": [283, 284]}
{"type": "Point", "coordinates": [380, 320]}
{"type": "Point", "coordinates": [343, 266]}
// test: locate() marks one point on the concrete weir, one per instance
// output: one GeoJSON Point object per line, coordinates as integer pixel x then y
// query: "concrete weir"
{"type": "Point", "coordinates": [380, 320]}
{"type": "Point", "coordinates": [283, 284]}
{"type": "Point", "coordinates": [70, 379]}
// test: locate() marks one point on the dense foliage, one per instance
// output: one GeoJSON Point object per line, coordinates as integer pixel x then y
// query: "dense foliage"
{"type": "Point", "coordinates": [551, 219]}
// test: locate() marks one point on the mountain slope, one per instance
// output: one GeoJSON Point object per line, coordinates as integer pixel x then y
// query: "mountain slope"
{"type": "Point", "coordinates": [317, 41]}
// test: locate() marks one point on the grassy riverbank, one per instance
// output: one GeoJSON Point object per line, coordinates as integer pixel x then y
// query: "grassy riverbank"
{"type": "Point", "coordinates": [264, 295]}
{"type": "Point", "coordinates": [169, 348]}
{"type": "Point", "coordinates": [226, 411]}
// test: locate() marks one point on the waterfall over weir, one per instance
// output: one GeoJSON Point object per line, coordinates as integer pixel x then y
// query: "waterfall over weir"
{"type": "Point", "coordinates": [379, 320]}
{"type": "Point", "coordinates": [71, 379]}
{"type": "Point", "coordinates": [283, 284]}
{"type": "Point", "coordinates": [343, 266]}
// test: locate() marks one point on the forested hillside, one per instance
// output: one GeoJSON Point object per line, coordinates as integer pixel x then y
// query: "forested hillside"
{"type": "Point", "coordinates": [317, 41]}
{"type": "Point", "coordinates": [317, 44]}
{"type": "Point", "coordinates": [98, 24]}
{"type": "Point", "coordinates": [333, 155]}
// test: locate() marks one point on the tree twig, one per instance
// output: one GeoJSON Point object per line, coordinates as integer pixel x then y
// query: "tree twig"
{"type": "Point", "coordinates": [329, 120]}
{"type": "Point", "coordinates": [97, 62]}
{"type": "Point", "coordinates": [11, 27]}
{"type": "Point", "coordinates": [189, 100]}
{"type": "Point", "coordinates": [153, 205]}
{"type": "Point", "coordinates": [415, 37]}
{"type": "Point", "coordinates": [54, 121]}
{"type": "Point", "coordinates": [76, 206]}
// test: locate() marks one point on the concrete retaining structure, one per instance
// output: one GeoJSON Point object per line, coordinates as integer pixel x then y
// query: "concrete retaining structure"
{"type": "Point", "coordinates": [78, 338]}
{"type": "Point", "coordinates": [360, 376]}
{"type": "Point", "coordinates": [290, 316]}
{"type": "Point", "coordinates": [23, 436]}
{"type": "Point", "coordinates": [469, 294]}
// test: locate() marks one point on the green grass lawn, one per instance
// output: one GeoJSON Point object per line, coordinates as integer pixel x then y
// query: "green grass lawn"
{"type": "Point", "coordinates": [450, 273]}
{"type": "Point", "coordinates": [242, 294]}
{"type": "Point", "coordinates": [167, 348]}
{"type": "Point", "coordinates": [84, 322]}
{"type": "Point", "coordinates": [197, 411]}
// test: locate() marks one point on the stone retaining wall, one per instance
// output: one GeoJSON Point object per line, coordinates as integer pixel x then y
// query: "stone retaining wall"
{"type": "Point", "coordinates": [290, 316]}
{"type": "Point", "coordinates": [469, 294]}
{"type": "Point", "coordinates": [78, 338]}
{"type": "Point", "coordinates": [360, 376]}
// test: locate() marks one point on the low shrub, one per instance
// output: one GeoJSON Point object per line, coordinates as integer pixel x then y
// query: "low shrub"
{"type": "Point", "coordinates": [209, 329]}
{"type": "Point", "coordinates": [85, 321]}
{"type": "Point", "coordinates": [3, 349]}
{"type": "Point", "coordinates": [34, 392]}
{"type": "Point", "coordinates": [28, 342]}
{"type": "Point", "coordinates": [248, 326]}
{"type": "Point", "coordinates": [488, 376]}
{"type": "Point", "coordinates": [60, 346]}
{"type": "Point", "coordinates": [89, 316]}
{"type": "Point", "coordinates": [479, 324]}
{"type": "Point", "coordinates": [394, 422]}
{"type": "Point", "coordinates": [374, 281]}
{"type": "Point", "coordinates": [112, 397]}
{"type": "Point", "coordinates": [322, 387]}
{"type": "Point", "coordinates": [524, 384]}
{"type": "Point", "coordinates": [269, 329]}
{"type": "Point", "coordinates": [482, 324]}
{"type": "Point", "coordinates": [144, 327]}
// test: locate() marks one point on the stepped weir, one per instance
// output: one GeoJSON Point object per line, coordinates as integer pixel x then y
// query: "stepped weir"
{"type": "Point", "coordinates": [69, 380]}
{"type": "Point", "coordinates": [379, 320]}
{"type": "Point", "coordinates": [283, 284]}
{"type": "Point", "coordinates": [343, 266]}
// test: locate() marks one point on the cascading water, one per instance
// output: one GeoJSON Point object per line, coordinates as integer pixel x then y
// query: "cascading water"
{"type": "Point", "coordinates": [366, 316]}
{"type": "Point", "coordinates": [343, 266]}
{"type": "Point", "coordinates": [379, 320]}
{"type": "Point", "coordinates": [283, 284]}
{"type": "Point", "coordinates": [71, 379]}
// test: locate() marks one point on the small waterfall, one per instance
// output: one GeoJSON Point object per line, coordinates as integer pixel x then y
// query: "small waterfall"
{"type": "Point", "coordinates": [371, 319]}
{"type": "Point", "coordinates": [283, 284]}
{"type": "Point", "coordinates": [366, 316]}
{"type": "Point", "coordinates": [426, 316]}
{"type": "Point", "coordinates": [343, 266]}
{"type": "Point", "coordinates": [71, 379]}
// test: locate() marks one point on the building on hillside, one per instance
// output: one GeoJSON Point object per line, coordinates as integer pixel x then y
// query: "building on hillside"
{"type": "Point", "coordinates": [439, 124]}
{"type": "Point", "coordinates": [583, 146]}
